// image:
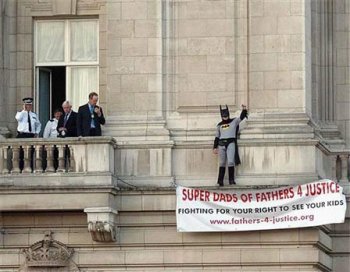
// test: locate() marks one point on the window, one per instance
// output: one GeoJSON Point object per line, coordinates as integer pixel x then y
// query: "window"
{"type": "Point", "coordinates": [66, 63]}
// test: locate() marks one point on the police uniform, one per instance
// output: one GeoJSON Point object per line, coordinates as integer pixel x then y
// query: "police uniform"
{"type": "Point", "coordinates": [51, 129]}
{"type": "Point", "coordinates": [226, 142]}
{"type": "Point", "coordinates": [28, 122]}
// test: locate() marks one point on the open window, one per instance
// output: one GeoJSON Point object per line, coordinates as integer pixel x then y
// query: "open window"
{"type": "Point", "coordinates": [66, 63]}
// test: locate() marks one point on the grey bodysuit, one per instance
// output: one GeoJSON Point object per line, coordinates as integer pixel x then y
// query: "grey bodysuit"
{"type": "Point", "coordinates": [226, 132]}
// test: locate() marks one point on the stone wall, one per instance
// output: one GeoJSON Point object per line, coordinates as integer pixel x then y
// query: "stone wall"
{"type": "Point", "coordinates": [148, 241]}
{"type": "Point", "coordinates": [165, 66]}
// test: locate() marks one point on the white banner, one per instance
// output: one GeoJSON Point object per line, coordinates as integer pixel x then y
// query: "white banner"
{"type": "Point", "coordinates": [312, 204]}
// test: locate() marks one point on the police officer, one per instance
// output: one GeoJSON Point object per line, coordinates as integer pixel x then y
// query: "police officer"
{"type": "Point", "coordinates": [226, 142]}
{"type": "Point", "coordinates": [29, 125]}
{"type": "Point", "coordinates": [51, 126]}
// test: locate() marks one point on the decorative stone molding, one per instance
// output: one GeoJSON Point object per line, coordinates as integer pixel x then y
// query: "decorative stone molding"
{"type": "Point", "coordinates": [47, 253]}
{"type": "Point", "coordinates": [101, 223]}
{"type": "Point", "coordinates": [64, 7]}
{"type": "Point", "coordinates": [60, 7]}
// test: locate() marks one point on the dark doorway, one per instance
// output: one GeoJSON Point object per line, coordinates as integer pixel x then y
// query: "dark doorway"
{"type": "Point", "coordinates": [51, 91]}
{"type": "Point", "coordinates": [58, 87]}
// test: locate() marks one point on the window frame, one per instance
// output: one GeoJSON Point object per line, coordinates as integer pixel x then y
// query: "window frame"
{"type": "Point", "coordinates": [67, 54]}
{"type": "Point", "coordinates": [67, 40]}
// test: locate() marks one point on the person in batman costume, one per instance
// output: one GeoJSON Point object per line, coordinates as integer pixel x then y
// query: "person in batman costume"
{"type": "Point", "coordinates": [225, 143]}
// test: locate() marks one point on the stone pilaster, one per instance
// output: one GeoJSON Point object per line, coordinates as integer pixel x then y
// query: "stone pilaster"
{"type": "Point", "coordinates": [6, 60]}
{"type": "Point", "coordinates": [279, 56]}
{"type": "Point", "coordinates": [135, 70]}
{"type": "Point", "coordinates": [341, 49]}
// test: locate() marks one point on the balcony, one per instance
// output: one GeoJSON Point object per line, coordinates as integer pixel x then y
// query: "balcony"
{"type": "Point", "coordinates": [56, 174]}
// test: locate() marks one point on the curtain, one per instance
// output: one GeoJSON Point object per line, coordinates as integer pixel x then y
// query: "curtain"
{"type": "Point", "coordinates": [83, 81]}
{"type": "Point", "coordinates": [50, 41]}
{"type": "Point", "coordinates": [84, 41]}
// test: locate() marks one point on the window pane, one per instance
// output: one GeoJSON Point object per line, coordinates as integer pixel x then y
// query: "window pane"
{"type": "Point", "coordinates": [83, 81]}
{"type": "Point", "coordinates": [50, 41]}
{"type": "Point", "coordinates": [84, 41]}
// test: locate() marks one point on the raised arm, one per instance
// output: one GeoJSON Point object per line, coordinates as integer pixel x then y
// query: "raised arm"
{"type": "Point", "coordinates": [244, 113]}
{"type": "Point", "coordinates": [19, 115]}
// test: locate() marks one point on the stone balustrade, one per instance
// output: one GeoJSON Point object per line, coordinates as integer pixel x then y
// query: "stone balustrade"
{"type": "Point", "coordinates": [67, 155]}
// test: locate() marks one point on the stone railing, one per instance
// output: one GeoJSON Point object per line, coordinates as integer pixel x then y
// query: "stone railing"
{"type": "Point", "coordinates": [335, 162]}
{"type": "Point", "coordinates": [81, 155]}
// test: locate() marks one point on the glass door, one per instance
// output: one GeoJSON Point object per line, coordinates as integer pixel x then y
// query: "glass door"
{"type": "Point", "coordinates": [44, 94]}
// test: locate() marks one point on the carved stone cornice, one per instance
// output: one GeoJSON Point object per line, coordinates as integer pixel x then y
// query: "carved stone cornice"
{"type": "Point", "coordinates": [102, 223]}
{"type": "Point", "coordinates": [102, 231]}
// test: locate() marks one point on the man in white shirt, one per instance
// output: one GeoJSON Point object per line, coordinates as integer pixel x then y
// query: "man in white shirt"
{"type": "Point", "coordinates": [29, 125]}
{"type": "Point", "coordinates": [51, 126]}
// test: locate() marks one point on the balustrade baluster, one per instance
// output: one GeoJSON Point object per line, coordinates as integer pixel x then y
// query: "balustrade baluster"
{"type": "Point", "coordinates": [334, 168]}
{"type": "Point", "coordinates": [344, 168]}
{"type": "Point", "coordinates": [15, 160]}
{"type": "Point", "coordinates": [71, 159]}
{"type": "Point", "coordinates": [5, 169]}
{"type": "Point", "coordinates": [28, 159]}
{"type": "Point", "coordinates": [61, 159]}
{"type": "Point", "coordinates": [49, 158]}
{"type": "Point", "coordinates": [38, 159]}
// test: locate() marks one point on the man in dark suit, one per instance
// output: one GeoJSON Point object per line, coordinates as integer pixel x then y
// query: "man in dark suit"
{"type": "Point", "coordinates": [90, 117]}
{"type": "Point", "coordinates": [67, 124]}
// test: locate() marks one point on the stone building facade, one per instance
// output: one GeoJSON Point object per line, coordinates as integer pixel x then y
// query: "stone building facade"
{"type": "Point", "coordinates": [162, 68]}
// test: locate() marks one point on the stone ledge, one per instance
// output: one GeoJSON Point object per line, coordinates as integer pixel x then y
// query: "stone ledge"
{"type": "Point", "coordinates": [244, 180]}
{"type": "Point", "coordinates": [61, 141]}
{"type": "Point", "coordinates": [56, 199]}
{"type": "Point", "coordinates": [195, 258]}
{"type": "Point", "coordinates": [57, 180]}
{"type": "Point", "coordinates": [247, 143]}
{"type": "Point", "coordinates": [164, 236]}
{"type": "Point", "coordinates": [144, 144]}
